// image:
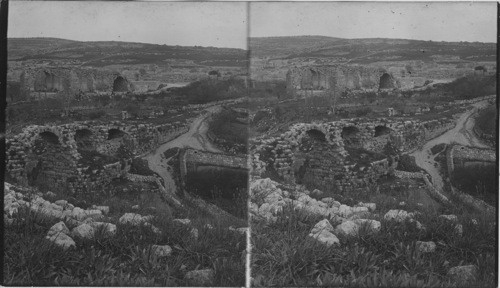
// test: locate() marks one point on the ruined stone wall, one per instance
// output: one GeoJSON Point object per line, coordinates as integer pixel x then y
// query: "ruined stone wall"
{"type": "Point", "coordinates": [201, 158]}
{"type": "Point", "coordinates": [321, 159]}
{"type": "Point", "coordinates": [339, 78]}
{"type": "Point", "coordinates": [461, 155]}
{"type": "Point", "coordinates": [55, 79]}
{"type": "Point", "coordinates": [53, 156]}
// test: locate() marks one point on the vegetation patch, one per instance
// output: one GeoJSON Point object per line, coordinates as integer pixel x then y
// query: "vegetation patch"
{"type": "Point", "coordinates": [140, 166]}
{"type": "Point", "coordinates": [407, 163]}
{"type": "Point", "coordinates": [486, 121]}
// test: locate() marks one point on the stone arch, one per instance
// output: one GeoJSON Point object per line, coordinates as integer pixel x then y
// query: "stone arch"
{"type": "Point", "coordinates": [49, 137]}
{"type": "Point", "coordinates": [316, 135]}
{"type": "Point", "coordinates": [382, 130]}
{"type": "Point", "coordinates": [115, 133]}
{"type": "Point", "coordinates": [84, 139]}
{"type": "Point", "coordinates": [351, 136]}
{"type": "Point", "coordinates": [315, 79]}
{"type": "Point", "coordinates": [120, 84]}
{"type": "Point", "coordinates": [386, 81]}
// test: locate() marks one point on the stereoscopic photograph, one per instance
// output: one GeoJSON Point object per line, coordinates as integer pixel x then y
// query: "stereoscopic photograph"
{"type": "Point", "coordinates": [251, 144]}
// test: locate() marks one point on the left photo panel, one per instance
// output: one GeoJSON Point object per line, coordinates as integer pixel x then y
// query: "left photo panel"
{"type": "Point", "coordinates": [126, 144]}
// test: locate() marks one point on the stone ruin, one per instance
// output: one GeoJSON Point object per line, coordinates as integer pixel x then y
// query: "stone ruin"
{"type": "Point", "coordinates": [51, 79]}
{"type": "Point", "coordinates": [345, 154]}
{"type": "Point", "coordinates": [80, 157]}
{"type": "Point", "coordinates": [338, 78]}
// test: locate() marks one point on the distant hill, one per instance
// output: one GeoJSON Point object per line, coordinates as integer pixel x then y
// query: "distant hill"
{"type": "Point", "coordinates": [103, 53]}
{"type": "Point", "coordinates": [369, 49]}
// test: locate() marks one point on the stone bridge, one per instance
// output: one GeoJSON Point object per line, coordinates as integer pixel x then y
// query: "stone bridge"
{"type": "Point", "coordinates": [82, 156]}
{"type": "Point", "coordinates": [338, 78]}
{"type": "Point", "coordinates": [56, 79]}
{"type": "Point", "coordinates": [342, 155]}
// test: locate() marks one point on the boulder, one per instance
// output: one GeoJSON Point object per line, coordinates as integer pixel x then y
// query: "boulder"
{"type": "Point", "coordinates": [450, 218]}
{"type": "Point", "coordinates": [351, 227]}
{"type": "Point", "coordinates": [58, 228]}
{"type": "Point", "coordinates": [62, 203]}
{"type": "Point", "coordinates": [322, 232]}
{"type": "Point", "coordinates": [371, 206]}
{"type": "Point", "coordinates": [397, 215]}
{"type": "Point", "coordinates": [316, 193]}
{"type": "Point", "coordinates": [84, 231]}
{"type": "Point", "coordinates": [459, 230]}
{"type": "Point", "coordinates": [323, 225]}
{"type": "Point", "coordinates": [325, 237]}
{"type": "Point", "coordinates": [107, 229]}
{"type": "Point", "coordinates": [104, 209]}
{"type": "Point", "coordinates": [161, 251]}
{"type": "Point", "coordinates": [61, 240]}
{"type": "Point", "coordinates": [132, 219]}
{"type": "Point", "coordinates": [426, 247]}
{"type": "Point", "coordinates": [194, 233]}
{"type": "Point", "coordinates": [182, 221]}
{"type": "Point", "coordinates": [205, 277]}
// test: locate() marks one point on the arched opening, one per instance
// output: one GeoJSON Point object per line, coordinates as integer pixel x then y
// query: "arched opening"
{"type": "Point", "coordinates": [120, 84]}
{"type": "Point", "coordinates": [83, 139]}
{"type": "Point", "coordinates": [316, 135]}
{"type": "Point", "coordinates": [351, 135]}
{"type": "Point", "coordinates": [49, 137]}
{"type": "Point", "coordinates": [315, 80]}
{"type": "Point", "coordinates": [115, 134]}
{"type": "Point", "coordinates": [386, 82]}
{"type": "Point", "coordinates": [382, 130]}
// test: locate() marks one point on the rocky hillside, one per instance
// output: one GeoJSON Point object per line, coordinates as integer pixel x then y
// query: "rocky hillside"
{"type": "Point", "coordinates": [56, 242]}
{"type": "Point", "coordinates": [370, 49]}
{"type": "Point", "coordinates": [303, 238]}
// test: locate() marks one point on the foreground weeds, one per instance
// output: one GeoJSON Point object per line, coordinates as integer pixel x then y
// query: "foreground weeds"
{"type": "Point", "coordinates": [284, 255]}
{"type": "Point", "coordinates": [125, 259]}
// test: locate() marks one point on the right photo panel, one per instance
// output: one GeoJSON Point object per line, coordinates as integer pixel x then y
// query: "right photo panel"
{"type": "Point", "coordinates": [372, 144]}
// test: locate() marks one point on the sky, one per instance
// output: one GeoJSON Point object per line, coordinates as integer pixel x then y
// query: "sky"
{"type": "Point", "coordinates": [444, 21]}
{"type": "Point", "coordinates": [222, 24]}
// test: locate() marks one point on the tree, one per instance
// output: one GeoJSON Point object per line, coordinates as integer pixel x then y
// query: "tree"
{"type": "Point", "coordinates": [214, 73]}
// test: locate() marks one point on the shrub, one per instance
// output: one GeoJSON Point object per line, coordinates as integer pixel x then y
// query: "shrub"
{"type": "Point", "coordinates": [141, 167]}
{"type": "Point", "coordinates": [407, 163]}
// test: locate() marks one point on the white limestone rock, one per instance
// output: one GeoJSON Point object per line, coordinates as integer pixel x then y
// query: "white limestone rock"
{"type": "Point", "coordinates": [426, 247]}
{"type": "Point", "coordinates": [108, 229]}
{"type": "Point", "coordinates": [61, 203]}
{"type": "Point", "coordinates": [182, 221]}
{"type": "Point", "coordinates": [325, 237]}
{"type": "Point", "coordinates": [161, 251]}
{"type": "Point", "coordinates": [58, 228]}
{"type": "Point", "coordinates": [450, 218]}
{"type": "Point", "coordinates": [104, 209]}
{"type": "Point", "coordinates": [84, 231]}
{"type": "Point", "coordinates": [133, 219]}
{"type": "Point", "coordinates": [61, 240]}
{"type": "Point", "coordinates": [371, 206]}
{"type": "Point", "coordinates": [397, 215]}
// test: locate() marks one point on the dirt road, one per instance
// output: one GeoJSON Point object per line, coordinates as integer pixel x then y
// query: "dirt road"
{"type": "Point", "coordinates": [195, 138]}
{"type": "Point", "coordinates": [462, 134]}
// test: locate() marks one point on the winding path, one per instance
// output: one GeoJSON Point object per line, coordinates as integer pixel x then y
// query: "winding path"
{"type": "Point", "coordinates": [195, 138]}
{"type": "Point", "coordinates": [462, 134]}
